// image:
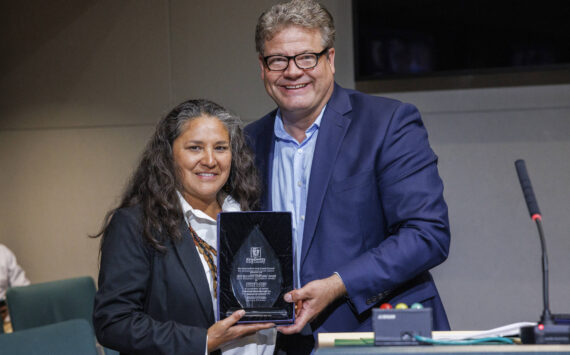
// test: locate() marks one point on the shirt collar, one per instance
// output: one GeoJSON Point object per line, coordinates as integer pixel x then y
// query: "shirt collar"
{"type": "Point", "coordinates": [229, 205]}
{"type": "Point", "coordinates": [280, 132]}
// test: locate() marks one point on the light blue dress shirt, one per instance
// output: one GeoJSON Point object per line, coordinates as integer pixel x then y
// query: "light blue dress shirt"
{"type": "Point", "coordinates": [292, 163]}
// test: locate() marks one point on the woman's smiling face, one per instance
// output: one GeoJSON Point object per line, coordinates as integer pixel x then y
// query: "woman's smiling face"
{"type": "Point", "coordinates": [203, 156]}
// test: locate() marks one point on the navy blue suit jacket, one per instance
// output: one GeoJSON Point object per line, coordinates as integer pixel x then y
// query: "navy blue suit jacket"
{"type": "Point", "coordinates": [375, 208]}
{"type": "Point", "coordinates": [150, 302]}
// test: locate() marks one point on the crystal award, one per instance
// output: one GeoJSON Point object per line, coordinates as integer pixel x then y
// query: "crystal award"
{"type": "Point", "coordinates": [255, 265]}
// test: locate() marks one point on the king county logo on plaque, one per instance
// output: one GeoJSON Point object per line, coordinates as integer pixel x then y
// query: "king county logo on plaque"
{"type": "Point", "coordinates": [255, 252]}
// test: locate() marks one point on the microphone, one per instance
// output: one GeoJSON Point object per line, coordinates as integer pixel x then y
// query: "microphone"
{"type": "Point", "coordinates": [547, 332]}
{"type": "Point", "coordinates": [527, 190]}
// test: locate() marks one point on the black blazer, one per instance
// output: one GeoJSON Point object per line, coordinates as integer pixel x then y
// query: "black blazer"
{"type": "Point", "coordinates": [150, 302]}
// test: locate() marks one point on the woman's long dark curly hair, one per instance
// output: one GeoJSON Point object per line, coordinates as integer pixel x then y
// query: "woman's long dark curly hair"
{"type": "Point", "coordinates": [155, 181]}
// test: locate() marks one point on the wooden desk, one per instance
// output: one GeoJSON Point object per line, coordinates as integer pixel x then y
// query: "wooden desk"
{"type": "Point", "coordinates": [448, 349]}
{"type": "Point", "coordinates": [326, 346]}
{"type": "Point", "coordinates": [327, 339]}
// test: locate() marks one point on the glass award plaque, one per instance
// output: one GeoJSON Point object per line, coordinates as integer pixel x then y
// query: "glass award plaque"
{"type": "Point", "coordinates": [255, 266]}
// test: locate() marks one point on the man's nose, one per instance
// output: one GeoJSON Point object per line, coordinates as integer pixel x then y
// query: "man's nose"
{"type": "Point", "coordinates": [292, 69]}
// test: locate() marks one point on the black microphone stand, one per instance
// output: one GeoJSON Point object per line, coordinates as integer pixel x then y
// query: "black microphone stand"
{"type": "Point", "coordinates": [547, 331]}
{"type": "Point", "coordinates": [546, 317]}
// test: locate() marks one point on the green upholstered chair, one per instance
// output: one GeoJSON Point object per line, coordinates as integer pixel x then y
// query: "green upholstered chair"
{"type": "Point", "coordinates": [72, 337]}
{"type": "Point", "coordinates": [51, 302]}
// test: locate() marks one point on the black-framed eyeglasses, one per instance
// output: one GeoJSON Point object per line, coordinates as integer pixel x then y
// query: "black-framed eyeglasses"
{"type": "Point", "coordinates": [302, 61]}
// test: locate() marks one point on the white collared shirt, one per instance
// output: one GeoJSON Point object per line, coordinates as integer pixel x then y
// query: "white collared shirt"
{"type": "Point", "coordinates": [11, 274]}
{"type": "Point", "coordinates": [262, 342]}
{"type": "Point", "coordinates": [292, 163]}
{"type": "Point", "coordinates": [206, 228]}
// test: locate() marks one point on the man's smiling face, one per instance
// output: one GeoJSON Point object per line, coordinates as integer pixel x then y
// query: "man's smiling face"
{"type": "Point", "coordinates": [298, 92]}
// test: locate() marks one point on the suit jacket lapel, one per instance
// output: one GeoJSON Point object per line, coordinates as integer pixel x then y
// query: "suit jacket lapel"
{"type": "Point", "coordinates": [264, 160]}
{"type": "Point", "coordinates": [331, 134]}
{"type": "Point", "coordinates": [190, 260]}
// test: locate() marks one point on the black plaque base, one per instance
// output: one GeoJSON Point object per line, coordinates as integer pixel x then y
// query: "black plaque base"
{"type": "Point", "coordinates": [255, 266]}
{"type": "Point", "coordinates": [262, 314]}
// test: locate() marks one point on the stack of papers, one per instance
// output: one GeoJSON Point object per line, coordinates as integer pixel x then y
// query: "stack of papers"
{"type": "Point", "coordinates": [508, 330]}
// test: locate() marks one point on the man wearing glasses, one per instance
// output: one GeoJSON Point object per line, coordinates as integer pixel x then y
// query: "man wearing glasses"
{"type": "Point", "coordinates": [358, 175]}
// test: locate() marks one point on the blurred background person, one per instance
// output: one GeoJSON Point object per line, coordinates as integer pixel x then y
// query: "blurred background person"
{"type": "Point", "coordinates": [11, 275]}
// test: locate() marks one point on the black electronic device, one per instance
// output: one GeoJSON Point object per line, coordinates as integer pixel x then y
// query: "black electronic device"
{"type": "Point", "coordinates": [550, 330]}
{"type": "Point", "coordinates": [400, 326]}
{"type": "Point", "coordinates": [545, 333]}
{"type": "Point", "coordinates": [561, 318]}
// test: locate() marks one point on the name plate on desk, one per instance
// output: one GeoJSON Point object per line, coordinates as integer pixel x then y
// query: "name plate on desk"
{"type": "Point", "coordinates": [255, 266]}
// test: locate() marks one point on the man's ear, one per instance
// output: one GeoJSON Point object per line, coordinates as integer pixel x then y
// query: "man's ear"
{"type": "Point", "coordinates": [261, 66]}
{"type": "Point", "coordinates": [330, 59]}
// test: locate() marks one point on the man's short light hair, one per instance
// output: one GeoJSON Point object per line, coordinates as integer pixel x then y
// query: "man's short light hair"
{"type": "Point", "coordinates": [304, 13]}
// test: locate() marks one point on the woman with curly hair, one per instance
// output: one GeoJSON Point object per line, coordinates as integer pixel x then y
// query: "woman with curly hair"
{"type": "Point", "coordinates": [157, 277]}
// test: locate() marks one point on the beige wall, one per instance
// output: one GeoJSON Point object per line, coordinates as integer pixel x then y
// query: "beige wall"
{"type": "Point", "coordinates": [82, 84]}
